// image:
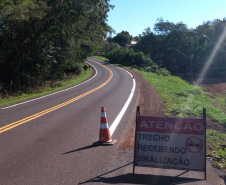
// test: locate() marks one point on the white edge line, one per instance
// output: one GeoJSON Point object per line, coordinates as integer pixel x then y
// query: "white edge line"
{"type": "Point", "coordinates": [52, 93]}
{"type": "Point", "coordinates": [123, 110]}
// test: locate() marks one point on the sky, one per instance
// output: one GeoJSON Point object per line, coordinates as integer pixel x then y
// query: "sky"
{"type": "Point", "coordinates": [135, 16]}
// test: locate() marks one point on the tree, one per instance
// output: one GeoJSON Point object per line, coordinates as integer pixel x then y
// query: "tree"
{"type": "Point", "coordinates": [147, 44]}
{"type": "Point", "coordinates": [107, 46]}
{"type": "Point", "coordinates": [128, 57]}
{"type": "Point", "coordinates": [184, 51]}
{"type": "Point", "coordinates": [45, 37]}
{"type": "Point", "coordinates": [122, 38]}
{"type": "Point", "coordinates": [165, 27]}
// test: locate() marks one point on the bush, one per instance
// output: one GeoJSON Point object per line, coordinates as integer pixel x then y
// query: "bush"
{"type": "Point", "coordinates": [128, 57]}
{"type": "Point", "coordinates": [163, 72]}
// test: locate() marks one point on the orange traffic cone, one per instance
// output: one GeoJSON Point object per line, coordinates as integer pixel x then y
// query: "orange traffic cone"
{"type": "Point", "coordinates": [104, 135]}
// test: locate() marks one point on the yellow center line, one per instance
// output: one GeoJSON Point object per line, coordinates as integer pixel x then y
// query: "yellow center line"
{"type": "Point", "coordinates": [42, 113]}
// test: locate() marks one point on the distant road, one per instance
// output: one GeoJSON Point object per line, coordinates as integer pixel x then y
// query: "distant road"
{"type": "Point", "coordinates": [49, 140]}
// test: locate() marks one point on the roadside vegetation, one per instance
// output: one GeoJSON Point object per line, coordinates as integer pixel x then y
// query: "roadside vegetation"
{"type": "Point", "coordinates": [101, 58]}
{"type": "Point", "coordinates": [183, 99]}
{"type": "Point", "coordinates": [220, 101]}
{"type": "Point", "coordinates": [216, 148]}
{"type": "Point", "coordinates": [42, 41]}
{"type": "Point", "coordinates": [51, 87]}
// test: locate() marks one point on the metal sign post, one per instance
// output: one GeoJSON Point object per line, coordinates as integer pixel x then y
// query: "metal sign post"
{"type": "Point", "coordinates": [204, 118]}
{"type": "Point", "coordinates": [137, 118]}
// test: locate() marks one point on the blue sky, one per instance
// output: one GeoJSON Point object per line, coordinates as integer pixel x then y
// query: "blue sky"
{"type": "Point", "coordinates": [136, 15]}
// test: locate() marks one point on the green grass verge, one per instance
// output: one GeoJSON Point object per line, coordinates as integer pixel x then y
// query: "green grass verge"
{"type": "Point", "coordinates": [101, 58]}
{"type": "Point", "coordinates": [47, 90]}
{"type": "Point", "coordinates": [216, 148]}
{"type": "Point", "coordinates": [220, 102]}
{"type": "Point", "coordinates": [183, 99]}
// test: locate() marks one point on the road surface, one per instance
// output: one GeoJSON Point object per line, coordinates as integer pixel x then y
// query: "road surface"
{"type": "Point", "coordinates": [49, 140]}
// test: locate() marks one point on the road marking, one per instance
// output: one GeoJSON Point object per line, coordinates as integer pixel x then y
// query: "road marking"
{"type": "Point", "coordinates": [42, 113]}
{"type": "Point", "coordinates": [123, 110]}
{"type": "Point", "coordinates": [51, 93]}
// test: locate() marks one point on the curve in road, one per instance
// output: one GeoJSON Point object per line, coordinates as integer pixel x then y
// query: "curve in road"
{"type": "Point", "coordinates": [46, 111]}
{"type": "Point", "coordinates": [32, 117]}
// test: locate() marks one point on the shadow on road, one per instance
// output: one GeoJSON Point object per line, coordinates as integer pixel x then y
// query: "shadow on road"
{"type": "Point", "coordinates": [224, 177]}
{"type": "Point", "coordinates": [142, 179]}
{"type": "Point", "coordinates": [131, 178]}
{"type": "Point", "coordinates": [79, 149]}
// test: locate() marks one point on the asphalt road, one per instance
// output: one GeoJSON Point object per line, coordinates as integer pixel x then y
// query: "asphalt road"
{"type": "Point", "coordinates": [49, 140]}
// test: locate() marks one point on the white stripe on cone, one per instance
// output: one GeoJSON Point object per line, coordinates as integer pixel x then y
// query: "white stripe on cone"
{"type": "Point", "coordinates": [104, 125]}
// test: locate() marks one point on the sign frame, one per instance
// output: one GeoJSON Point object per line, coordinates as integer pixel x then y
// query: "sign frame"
{"type": "Point", "coordinates": [190, 141]}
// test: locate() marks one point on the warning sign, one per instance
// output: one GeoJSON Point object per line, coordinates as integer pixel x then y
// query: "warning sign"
{"type": "Point", "coordinates": [194, 144]}
{"type": "Point", "coordinates": [177, 143]}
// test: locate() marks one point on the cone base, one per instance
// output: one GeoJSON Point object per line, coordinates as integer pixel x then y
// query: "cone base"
{"type": "Point", "coordinates": [98, 143]}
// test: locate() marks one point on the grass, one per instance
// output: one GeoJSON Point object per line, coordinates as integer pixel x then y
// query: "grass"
{"type": "Point", "coordinates": [220, 102]}
{"type": "Point", "coordinates": [101, 58]}
{"type": "Point", "coordinates": [216, 148]}
{"type": "Point", "coordinates": [183, 99]}
{"type": "Point", "coordinates": [47, 90]}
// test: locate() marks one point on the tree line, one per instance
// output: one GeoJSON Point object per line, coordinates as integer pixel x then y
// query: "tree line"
{"type": "Point", "coordinates": [175, 47]}
{"type": "Point", "coordinates": [43, 40]}
{"type": "Point", "coordinates": [46, 40]}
